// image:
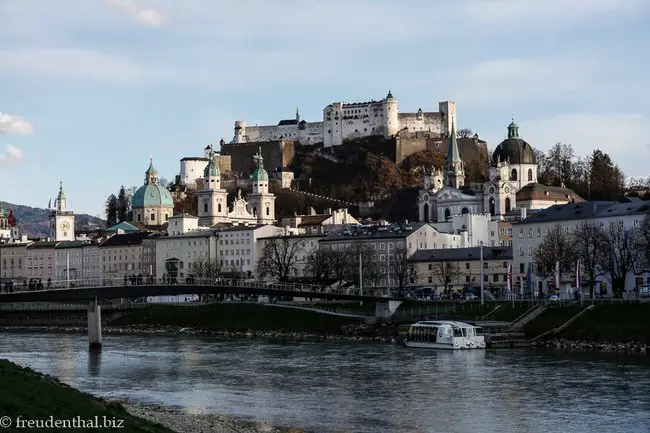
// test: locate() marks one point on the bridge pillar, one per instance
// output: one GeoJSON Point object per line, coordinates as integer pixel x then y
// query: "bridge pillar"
{"type": "Point", "coordinates": [94, 327]}
{"type": "Point", "coordinates": [386, 309]}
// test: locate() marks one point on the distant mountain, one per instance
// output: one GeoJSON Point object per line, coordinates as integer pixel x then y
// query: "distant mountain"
{"type": "Point", "coordinates": [33, 221]}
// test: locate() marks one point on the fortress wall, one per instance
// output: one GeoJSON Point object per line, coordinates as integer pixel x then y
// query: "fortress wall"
{"type": "Point", "coordinates": [275, 153]}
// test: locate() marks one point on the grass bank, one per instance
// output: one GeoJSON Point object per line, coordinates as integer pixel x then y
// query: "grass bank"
{"type": "Point", "coordinates": [236, 317]}
{"type": "Point", "coordinates": [32, 396]}
{"type": "Point", "coordinates": [465, 310]}
{"type": "Point", "coordinates": [607, 322]}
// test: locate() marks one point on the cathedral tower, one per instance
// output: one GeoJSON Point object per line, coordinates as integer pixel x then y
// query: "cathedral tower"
{"type": "Point", "coordinates": [213, 201]}
{"type": "Point", "coordinates": [454, 170]}
{"type": "Point", "coordinates": [261, 202]}
{"type": "Point", "coordinates": [391, 118]}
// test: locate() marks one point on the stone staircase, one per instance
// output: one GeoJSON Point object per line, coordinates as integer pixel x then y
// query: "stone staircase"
{"type": "Point", "coordinates": [506, 340]}
{"type": "Point", "coordinates": [527, 317]}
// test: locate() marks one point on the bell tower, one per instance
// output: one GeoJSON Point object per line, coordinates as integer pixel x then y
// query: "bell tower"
{"type": "Point", "coordinates": [261, 202]}
{"type": "Point", "coordinates": [213, 201]}
{"type": "Point", "coordinates": [454, 169]}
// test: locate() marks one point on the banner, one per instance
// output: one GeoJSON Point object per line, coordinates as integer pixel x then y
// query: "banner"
{"type": "Point", "coordinates": [509, 278]}
{"type": "Point", "coordinates": [557, 275]}
{"type": "Point", "coordinates": [578, 275]}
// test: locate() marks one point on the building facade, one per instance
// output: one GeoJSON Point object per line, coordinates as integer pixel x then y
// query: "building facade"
{"type": "Point", "coordinates": [62, 218]}
{"type": "Point", "coordinates": [122, 257]}
{"type": "Point", "coordinates": [299, 246]}
{"type": "Point", "coordinates": [315, 223]}
{"type": "Point", "coordinates": [344, 121]}
{"type": "Point", "coordinates": [13, 260]}
{"type": "Point", "coordinates": [238, 248]}
{"type": "Point", "coordinates": [41, 264]}
{"type": "Point", "coordinates": [178, 254]}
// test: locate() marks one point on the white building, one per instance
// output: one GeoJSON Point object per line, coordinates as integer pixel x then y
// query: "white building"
{"type": "Point", "coordinates": [92, 264]}
{"type": "Point", "coordinates": [343, 121]}
{"type": "Point", "coordinates": [41, 263]}
{"type": "Point", "coordinates": [122, 257]}
{"type": "Point", "coordinates": [62, 218]}
{"type": "Point", "coordinates": [530, 232]}
{"type": "Point", "coordinates": [68, 262]}
{"type": "Point", "coordinates": [512, 184]}
{"type": "Point", "coordinates": [477, 229]}
{"type": "Point", "coordinates": [313, 222]}
{"type": "Point", "coordinates": [238, 247]}
{"type": "Point", "coordinates": [176, 255]}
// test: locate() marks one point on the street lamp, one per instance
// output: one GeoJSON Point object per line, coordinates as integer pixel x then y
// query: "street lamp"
{"type": "Point", "coordinates": [482, 285]}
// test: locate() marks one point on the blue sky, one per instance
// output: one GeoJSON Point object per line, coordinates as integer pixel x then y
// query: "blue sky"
{"type": "Point", "coordinates": [89, 89]}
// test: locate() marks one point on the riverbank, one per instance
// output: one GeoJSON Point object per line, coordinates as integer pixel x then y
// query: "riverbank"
{"type": "Point", "coordinates": [351, 333]}
{"type": "Point", "coordinates": [562, 344]}
{"type": "Point", "coordinates": [29, 395]}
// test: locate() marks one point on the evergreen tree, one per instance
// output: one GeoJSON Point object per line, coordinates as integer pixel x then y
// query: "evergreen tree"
{"type": "Point", "coordinates": [122, 205]}
{"type": "Point", "coordinates": [111, 210]}
{"type": "Point", "coordinates": [606, 179]}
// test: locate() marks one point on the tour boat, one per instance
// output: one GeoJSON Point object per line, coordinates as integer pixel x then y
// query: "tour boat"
{"type": "Point", "coordinates": [444, 334]}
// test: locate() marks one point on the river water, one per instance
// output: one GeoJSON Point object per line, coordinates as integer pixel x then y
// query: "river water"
{"type": "Point", "coordinates": [334, 387]}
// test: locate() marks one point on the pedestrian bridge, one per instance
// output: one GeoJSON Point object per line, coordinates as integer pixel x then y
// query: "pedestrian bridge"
{"type": "Point", "coordinates": [78, 291]}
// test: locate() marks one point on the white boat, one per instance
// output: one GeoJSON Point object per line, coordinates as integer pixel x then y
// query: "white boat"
{"type": "Point", "coordinates": [444, 334]}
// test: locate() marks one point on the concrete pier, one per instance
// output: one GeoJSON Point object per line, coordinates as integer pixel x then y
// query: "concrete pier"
{"type": "Point", "coordinates": [385, 309]}
{"type": "Point", "coordinates": [94, 327]}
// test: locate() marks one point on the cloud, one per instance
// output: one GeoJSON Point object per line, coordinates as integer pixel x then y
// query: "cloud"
{"type": "Point", "coordinates": [11, 155]}
{"type": "Point", "coordinates": [145, 15]}
{"type": "Point", "coordinates": [14, 125]}
{"type": "Point", "coordinates": [623, 136]}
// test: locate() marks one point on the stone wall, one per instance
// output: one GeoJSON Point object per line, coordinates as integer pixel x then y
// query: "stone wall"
{"type": "Point", "coordinates": [470, 148]}
{"type": "Point", "coordinates": [275, 153]}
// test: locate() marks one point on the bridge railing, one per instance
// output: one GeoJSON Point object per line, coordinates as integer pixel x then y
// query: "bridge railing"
{"type": "Point", "coordinates": [190, 282]}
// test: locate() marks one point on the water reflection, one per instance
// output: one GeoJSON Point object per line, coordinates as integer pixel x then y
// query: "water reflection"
{"type": "Point", "coordinates": [356, 388]}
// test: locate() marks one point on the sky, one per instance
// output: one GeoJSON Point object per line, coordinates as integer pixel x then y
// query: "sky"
{"type": "Point", "coordinates": [91, 89]}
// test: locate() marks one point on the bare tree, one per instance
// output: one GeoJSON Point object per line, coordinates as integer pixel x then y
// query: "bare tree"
{"type": "Point", "coordinates": [590, 240]}
{"type": "Point", "coordinates": [620, 254]}
{"type": "Point", "coordinates": [400, 267]}
{"type": "Point", "coordinates": [279, 258]}
{"type": "Point", "coordinates": [644, 243]}
{"type": "Point", "coordinates": [464, 133]}
{"type": "Point", "coordinates": [362, 251]}
{"type": "Point", "coordinates": [205, 268]}
{"type": "Point", "coordinates": [319, 265]}
{"type": "Point", "coordinates": [557, 246]}
{"type": "Point", "coordinates": [447, 272]}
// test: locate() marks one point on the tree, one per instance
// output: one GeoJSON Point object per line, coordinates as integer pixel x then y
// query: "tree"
{"type": "Point", "coordinates": [620, 254]}
{"type": "Point", "coordinates": [123, 205]}
{"type": "Point", "coordinates": [400, 268]}
{"type": "Point", "coordinates": [319, 265]}
{"type": "Point", "coordinates": [644, 243]}
{"type": "Point", "coordinates": [557, 246]}
{"type": "Point", "coordinates": [447, 273]}
{"type": "Point", "coordinates": [589, 239]}
{"type": "Point", "coordinates": [339, 260]}
{"type": "Point", "coordinates": [543, 170]}
{"type": "Point", "coordinates": [606, 179]}
{"type": "Point", "coordinates": [205, 268]}
{"type": "Point", "coordinates": [111, 210]}
{"type": "Point", "coordinates": [279, 258]}
{"type": "Point", "coordinates": [369, 266]}
{"type": "Point", "coordinates": [464, 133]}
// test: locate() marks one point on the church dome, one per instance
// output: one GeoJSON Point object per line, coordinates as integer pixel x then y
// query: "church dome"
{"type": "Point", "coordinates": [259, 174]}
{"type": "Point", "coordinates": [151, 194]}
{"type": "Point", "coordinates": [212, 169]}
{"type": "Point", "coordinates": [514, 149]}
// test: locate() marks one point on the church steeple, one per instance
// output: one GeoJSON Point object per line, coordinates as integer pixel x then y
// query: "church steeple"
{"type": "Point", "coordinates": [60, 198]}
{"type": "Point", "coordinates": [454, 170]}
{"type": "Point", "coordinates": [513, 129]}
{"type": "Point", "coordinates": [151, 175]}
{"type": "Point", "coordinates": [297, 115]}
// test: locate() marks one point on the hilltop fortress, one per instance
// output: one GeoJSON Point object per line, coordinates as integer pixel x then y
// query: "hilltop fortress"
{"type": "Point", "coordinates": [347, 121]}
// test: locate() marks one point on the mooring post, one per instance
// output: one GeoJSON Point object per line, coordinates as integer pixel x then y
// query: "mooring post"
{"type": "Point", "coordinates": [94, 327]}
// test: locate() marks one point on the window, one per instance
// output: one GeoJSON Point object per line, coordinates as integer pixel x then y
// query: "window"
{"type": "Point", "coordinates": [505, 264]}
{"type": "Point", "coordinates": [521, 251]}
{"type": "Point", "coordinates": [501, 230]}
{"type": "Point", "coordinates": [430, 279]}
{"type": "Point", "coordinates": [521, 233]}
{"type": "Point", "coordinates": [521, 268]}
{"type": "Point", "coordinates": [539, 232]}
{"type": "Point", "coordinates": [510, 231]}
{"type": "Point", "coordinates": [530, 232]}
{"type": "Point", "coordinates": [268, 211]}
{"type": "Point", "coordinates": [485, 278]}
{"type": "Point", "coordinates": [507, 204]}
{"type": "Point", "coordinates": [219, 207]}
{"type": "Point", "coordinates": [530, 250]}
{"type": "Point", "coordinates": [513, 174]}
{"type": "Point", "coordinates": [467, 278]}
{"type": "Point", "coordinates": [495, 278]}
{"type": "Point", "coordinates": [153, 217]}
{"type": "Point", "coordinates": [466, 265]}
{"type": "Point", "coordinates": [530, 175]}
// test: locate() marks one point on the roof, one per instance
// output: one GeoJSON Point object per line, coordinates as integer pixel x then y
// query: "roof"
{"type": "Point", "coordinates": [313, 220]}
{"type": "Point", "coordinates": [70, 244]}
{"type": "Point", "coordinates": [374, 232]}
{"type": "Point", "coordinates": [127, 226]}
{"type": "Point", "coordinates": [195, 158]}
{"type": "Point", "coordinates": [540, 192]}
{"type": "Point", "coordinates": [240, 227]}
{"type": "Point", "coordinates": [292, 236]}
{"type": "Point", "coordinates": [288, 122]}
{"type": "Point", "coordinates": [212, 169]}
{"type": "Point", "coordinates": [191, 234]}
{"type": "Point", "coordinates": [462, 254]}
{"type": "Point", "coordinates": [42, 244]}
{"type": "Point", "coordinates": [152, 194]}
{"type": "Point", "coordinates": [587, 210]}
{"type": "Point", "coordinates": [514, 149]}
{"type": "Point", "coordinates": [125, 239]}
{"type": "Point", "coordinates": [184, 215]}
{"type": "Point", "coordinates": [259, 174]}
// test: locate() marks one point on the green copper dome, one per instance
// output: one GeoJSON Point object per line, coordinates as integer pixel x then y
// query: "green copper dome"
{"type": "Point", "coordinates": [259, 173]}
{"type": "Point", "coordinates": [151, 194]}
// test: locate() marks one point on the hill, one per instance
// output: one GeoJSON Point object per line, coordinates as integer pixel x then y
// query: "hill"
{"type": "Point", "coordinates": [33, 221]}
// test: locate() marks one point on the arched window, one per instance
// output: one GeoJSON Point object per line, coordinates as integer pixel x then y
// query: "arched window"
{"type": "Point", "coordinates": [491, 206]}
{"type": "Point", "coordinates": [426, 212]}
{"type": "Point", "coordinates": [447, 214]}
{"type": "Point", "coordinates": [465, 211]}
{"type": "Point", "coordinates": [513, 175]}
{"type": "Point", "coordinates": [254, 211]}
{"type": "Point", "coordinates": [268, 211]}
{"type": "Point", "coordinates": [205, 207]}
{"type": "Point", "coordinates": [507, 204]}
{"type": "Point", "coordinates": [219, 207]}
{"type": "Point", "coordinates": [139, 217]}
{"type": "Point", "coordinates": [530, 175]}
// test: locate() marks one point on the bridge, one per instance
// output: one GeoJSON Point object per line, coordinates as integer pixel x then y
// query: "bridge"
{"type": "Point", "coordinates": [84, 291]}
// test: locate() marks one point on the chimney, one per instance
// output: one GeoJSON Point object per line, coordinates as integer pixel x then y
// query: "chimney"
{"type": "Point", "coordinates": [328, 211]}
{"type": "Point", "coordinates": [523, 213]}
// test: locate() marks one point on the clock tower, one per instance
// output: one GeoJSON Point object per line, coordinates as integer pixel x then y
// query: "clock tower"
{"type": "Point", "coordinates": [63, 219]}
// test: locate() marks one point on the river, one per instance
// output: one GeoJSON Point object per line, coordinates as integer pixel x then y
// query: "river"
{"type": "Point", "coordinates": [335, 387]}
